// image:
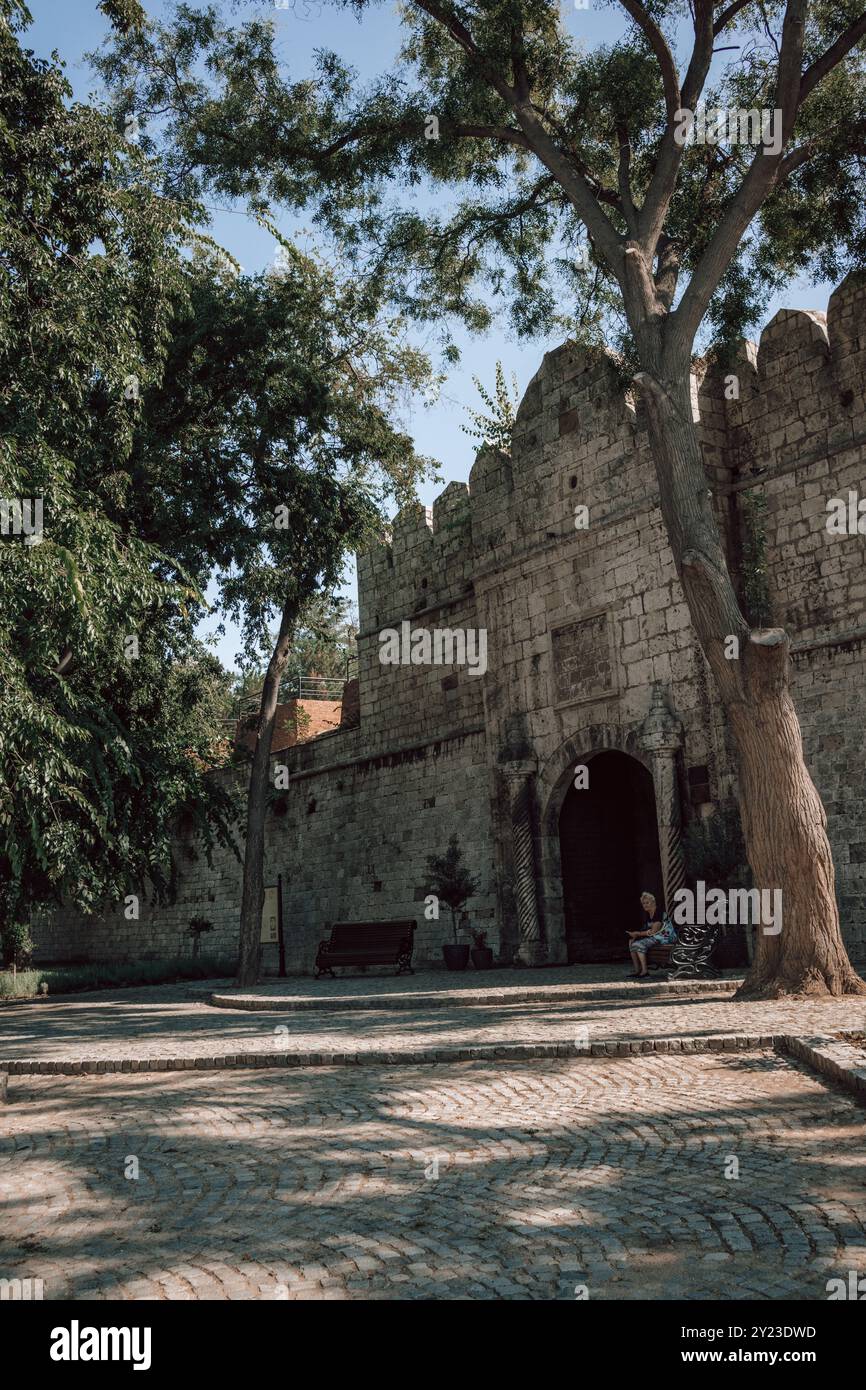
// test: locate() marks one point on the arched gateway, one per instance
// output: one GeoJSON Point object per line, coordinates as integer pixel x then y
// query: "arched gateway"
{"type": "Point", "coordinates": [608, 854]}
{"type": "Point", "coordinates": [599, 846]}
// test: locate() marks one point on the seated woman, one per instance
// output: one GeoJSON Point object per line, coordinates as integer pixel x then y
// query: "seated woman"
{"type": "Point", "coordinates": [656, 933]}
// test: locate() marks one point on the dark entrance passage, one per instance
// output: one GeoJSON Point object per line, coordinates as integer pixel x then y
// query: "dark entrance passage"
{"type": "Point", "coordinates": [610, 853]}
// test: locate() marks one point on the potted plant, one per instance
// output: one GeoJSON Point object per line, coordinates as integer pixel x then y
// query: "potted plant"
{"type": "Point", "coordinates": [453, 885]}
{"type": "Point", "coordinates": [482, 954]}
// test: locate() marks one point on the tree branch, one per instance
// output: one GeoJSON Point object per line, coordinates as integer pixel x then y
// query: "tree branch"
{"type": "Point", "coordinates": [668, 269]}
{"type": "Point", "coordinates": [803, 153]}
{"type": "Point", "coordinates": [518, 65]}
{"type": "Point", "coordinates": [506, 134]}
{"type": "Point", "coordinates": [833, 56]}
{"type": "Point", "coordinates": [575, 184]}
{"type": "Point", "coordinates": [664, 178]}
{"type": "Point", "coordinates": [659, 45]}
{"type": "Point", "coordinates": [727, 15]}
{"type": "Point", "coordinates": [757, 183]}
{"type": "Point", "coordinates": [624, 180]}
{"type": "Point", "coordinates": [463, 38]}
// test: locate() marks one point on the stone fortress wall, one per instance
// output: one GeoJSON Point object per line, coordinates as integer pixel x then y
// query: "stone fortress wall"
{"type": "Point", "coordinates": [587, 629]}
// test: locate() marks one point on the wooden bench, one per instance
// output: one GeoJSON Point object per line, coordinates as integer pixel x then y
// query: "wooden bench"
{"type": "Point", "coordinates": [658, 957]}
{"type": "Point", "coordinates": [367, 943]}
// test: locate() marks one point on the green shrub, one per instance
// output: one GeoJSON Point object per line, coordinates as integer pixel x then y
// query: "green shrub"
{"type": "Point", "coordinates": [69, 979]}
{"type": "Point", "coordinates": [15, 944]}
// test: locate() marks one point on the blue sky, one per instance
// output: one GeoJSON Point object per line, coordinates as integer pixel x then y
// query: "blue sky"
{"type": "Point", "coordinates": [74, 27]}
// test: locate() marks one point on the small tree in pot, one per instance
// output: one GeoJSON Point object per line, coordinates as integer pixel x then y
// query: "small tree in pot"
{"type": "Point", "coordinates": [482, 954]}
{"type": "Point", "coordinates": [453, 885]}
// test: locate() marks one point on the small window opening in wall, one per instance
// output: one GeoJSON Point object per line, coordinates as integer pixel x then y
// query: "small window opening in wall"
{"type": "Point", "coordinates": [699, 785]}
{"type": "Point", "coordinates": [572, 482]}
{"type": "Point", "coordinates": [846, 398]}
{"type": "Point", "coordinates": [423, 583]}
{"type": "Point", "coordinates": [311, 805]}
{"type": "Point", "coordinates": [429, 803]}
{"type": "Point", "coordinates": [377, 886]}
{"type": "Point", "coordinates": [390, 559]}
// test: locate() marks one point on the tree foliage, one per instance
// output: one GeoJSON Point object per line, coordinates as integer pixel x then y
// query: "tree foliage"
{"type": "Point", "coordinates": [554, 155]}
{"type": "Point", "coordinates": [101, 743]}
{"type": "Point", "coordinates": [183, 425]}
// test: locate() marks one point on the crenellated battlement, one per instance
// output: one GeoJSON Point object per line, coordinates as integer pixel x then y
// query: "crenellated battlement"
{"type": "Point", "coordinates": [427, 559]}
{"type": "Point", "coordinates": [800, 388]}
{"type": "Point", "coordinates": [580, 437]}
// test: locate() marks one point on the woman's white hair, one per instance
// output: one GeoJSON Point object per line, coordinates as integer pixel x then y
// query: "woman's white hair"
{"type": "Point", "coordinates": [647, 894]}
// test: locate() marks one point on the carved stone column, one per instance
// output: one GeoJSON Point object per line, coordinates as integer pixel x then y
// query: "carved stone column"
{"type": "Point", "coordinates": [520, 777]}
{"type": "Point", "coordinates": [661, 736]}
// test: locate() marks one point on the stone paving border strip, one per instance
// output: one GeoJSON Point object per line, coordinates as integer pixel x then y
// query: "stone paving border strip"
{"type": "Point", "coordinates": [837, 1060]}
{"type": "Point", "coordinates": [540, 994]}
{"type": "Point", "coordinates": [723, 1042]}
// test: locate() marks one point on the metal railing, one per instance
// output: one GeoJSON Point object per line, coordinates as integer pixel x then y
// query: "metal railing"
{"type": "Point", "coordinates": [312, 688]}
{"type": "Point", "coordinates": [297, 687]}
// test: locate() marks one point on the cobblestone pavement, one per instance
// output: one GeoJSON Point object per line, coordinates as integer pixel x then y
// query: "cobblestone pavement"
{"type": "Point", "coordinates": [551, 1175]}
{"type": "Point", "coordinates": [165, 1023]}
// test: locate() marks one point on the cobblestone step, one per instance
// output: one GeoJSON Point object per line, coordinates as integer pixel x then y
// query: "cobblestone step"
{"type": "Point", "coordinates": [807, 1049]}
{"type": "Point", "coordinates": [842, 1062]}
{"type": "Point", "coordinates": [265, 1002]}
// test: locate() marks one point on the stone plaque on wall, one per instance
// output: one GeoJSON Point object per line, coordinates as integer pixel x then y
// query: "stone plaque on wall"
{"type": "Point", "coordinates": [582, 658]}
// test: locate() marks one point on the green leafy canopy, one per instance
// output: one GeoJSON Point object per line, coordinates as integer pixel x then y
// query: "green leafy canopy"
{"type": "Point", "coordinates": [548, 157]}
{"type": "Point", "coordinates": [180, 424]}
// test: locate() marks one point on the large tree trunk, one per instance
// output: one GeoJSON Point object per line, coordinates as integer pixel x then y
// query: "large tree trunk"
{"type": "Point", "coordinates": [784, 824]}
{"type": "Point", "coordinates": [257, 803]}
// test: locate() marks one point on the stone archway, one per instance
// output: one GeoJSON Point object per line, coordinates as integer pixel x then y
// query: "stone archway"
{"type": "Point", "coordinates": [654, 744]}
{"type": "Point", "coordinates": [609, 855]}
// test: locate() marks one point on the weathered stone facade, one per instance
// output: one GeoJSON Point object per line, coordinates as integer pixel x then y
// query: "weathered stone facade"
{"type": "Point", "coordinates": [589, 652]}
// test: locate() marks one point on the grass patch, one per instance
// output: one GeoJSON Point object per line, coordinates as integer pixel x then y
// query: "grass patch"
{"type": "Point", "coordinates": [69, 979]}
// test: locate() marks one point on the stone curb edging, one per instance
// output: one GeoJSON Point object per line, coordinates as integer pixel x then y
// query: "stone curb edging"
{"type": "Point", "coordinates": [724, 1042]}
{"type": "Point", "coordinates": [541, 994]}
{"type": "Point", "coordinates": [838, 1060]}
